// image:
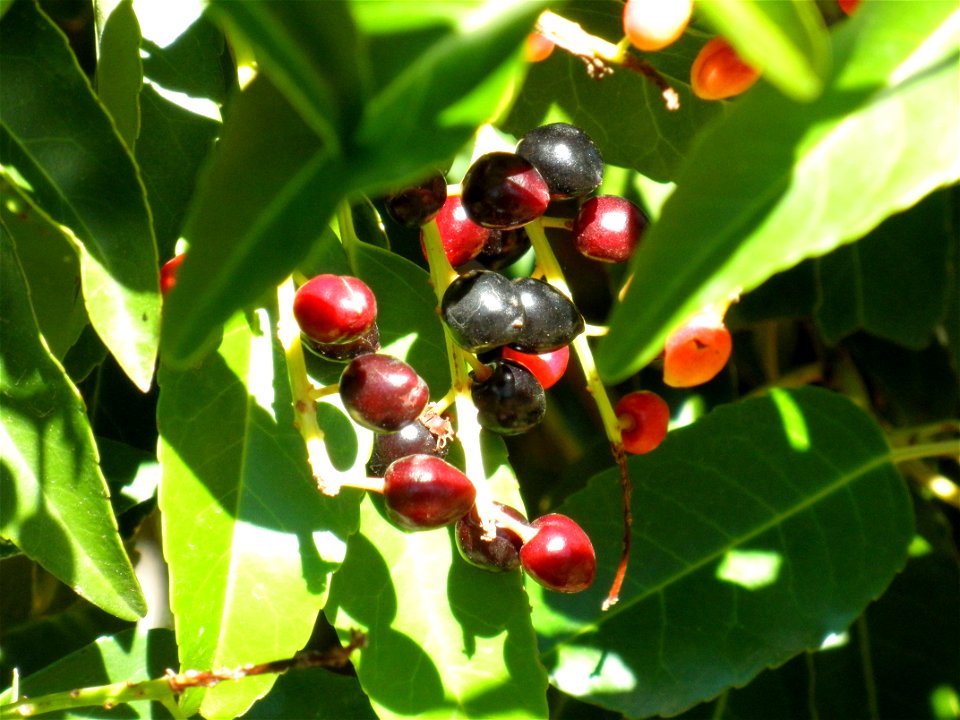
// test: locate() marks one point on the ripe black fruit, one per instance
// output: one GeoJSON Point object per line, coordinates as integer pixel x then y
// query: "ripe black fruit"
{"type": "Point", "coordinates": [503, 190]}
{"type": "Point", "coordinates": [482, 310]}
{"type": "Point", "coordinates": [412, 439]}
{"type": "Point", "coordinates": [503, 248]}
{"type": "Point", "coordinates": [416, 205]}
{"type": "Point", "coordinates": [551, 320]}
{"type": "Point", "coordinates": [510, 401]}
{"type": "Point", "coordinates": [501, 554]}
{"type": "Point", "coordinates": [566, 158]}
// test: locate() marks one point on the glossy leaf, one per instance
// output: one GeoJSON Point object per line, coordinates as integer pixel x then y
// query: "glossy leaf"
{"type": "Point", "coordinates": [249, 539]}
{"type": "Point", "coordinates": [55, 504]}
{"type": "Point", "coordinates": [314, 694]}
{"type": "Point", "coordinates": [759, 530]}
{"type": "Point", "coordinates": [119, 70]}
{"type": "Point", "coordinates": [59, 139]}
{"type": "Point", "coordinates": [777, 182]}
{"type": "Point", "coordinates": [785, 39]}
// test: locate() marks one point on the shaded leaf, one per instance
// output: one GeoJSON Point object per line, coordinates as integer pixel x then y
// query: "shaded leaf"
{"type": "Point", "coordinates": [313, 694]}
{"type": "Point", "coordinates": [55, 504]}
{"type": "Point", "coordinates": [777, 182]}
{"type": "Point", "coordinates": [119, 71]}
{"type": "Point", "coordinates": [60, 140]}
{"type": "Point", "coordinates": [759, 530]}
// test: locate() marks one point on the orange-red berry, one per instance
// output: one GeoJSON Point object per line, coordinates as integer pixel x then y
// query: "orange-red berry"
{"type": "Point", "coordinates": [696, 351]}
{"type": "Point", "coordinates": [848, 6]}
{"type": "Point", "coordinates": [644, 417]}
{"type": "Point", "coordinates": [719, 73]}
{"type": "Point", "coordinates": [168, 274]}
{"type": "Point", "coordinates": [538, 47]}
{"type": "Point", "coordinates": [652, 25]}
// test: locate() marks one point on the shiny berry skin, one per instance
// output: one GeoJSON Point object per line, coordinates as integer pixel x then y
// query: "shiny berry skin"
{"type": "Point", "coordinates": [509, 402]}
{"type": "Point", "coordinates": [501, 554]}
{"type": "Point", "coordinates": [168, 273]}
{"type": "Point", "coordinates": [412, 439]}
{"type": "Point", "coordinates": [696, 352]}
{"type": "Point", "coordinates": [422, 492]}
{"type": "Point", "coordinates": [462, 238]}
{"type": "Point", "coordinates": [848, 6]}
{"type": "Point", "coordinates": [503, 248]}
{"type": "Point", "coordinates": [560, 556]}
{"type": "Point", "coordinates": [566, 158]}
{"type": "Point", "coordinates": [504, 191]}
{"type": "Point", "coordinates": [382, 393]}
{"type": "Point", "coordinates": [644, 417]}
{"type": "Point", "coordinates": [537, 48]}
{"type": "Point", "coordinates": [718, 72]}
{"type": "Point", "coordinates": [367, 343]}
{"type": "Point", "coordinates": [482, 310]}
{"type": "Point", "coordinates": [547, 367]}
{"type": "Point", "coordinates": [419, 204]}
{"type": "Point", "coordinates": [652, 25]}
{"type": "Point", "coordinates": [334, 308]}
{"type": "Point", "coordinates": [550, 319]}
{"type": "Point", "coordinates": [608, 228]}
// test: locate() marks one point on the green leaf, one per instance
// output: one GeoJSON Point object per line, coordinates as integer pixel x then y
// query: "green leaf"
{"type": "Point", "coordinates": [55, 503]}
{"type": "Point", "coordinates": [777, 182]}
{"type": "Point", "coordinates": [893, 283]}
{"type": "Point", "coordinates": [759, 530]}
{"type": "Point", "coordinates": [51, 266]}
{"type": "Point", "coordinates": [119, 70]}
{"type": "Point", "coordinates": [313, 694]}
{"type": "Point", "coordinates": [59, 139]}
{"type": "Point", "coordinates": [785, 39]}
{"type": "Point", "coordinates": [132, 655]}
{"type": "Point", "coordinates": [249, 539]}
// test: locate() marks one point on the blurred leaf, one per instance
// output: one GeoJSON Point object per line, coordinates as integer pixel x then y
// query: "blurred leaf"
{"type": "Point", "coordinates": [777, 182]}
{"type": "Point", "coordinates": [59, 139]}
{"type": "Point", "coordinates": [119, 71]}
{"type": "Point", "coordinates": [55, 503]}
{"type": "Point", "coordinates": [128, 656]}
{"type": "Point", "coordinates": [634, 129]}
{"type": "Point", "coordinates": [51, 267]}
{"type": "Point", "coordinates": [785, 39]}
{"type": "Point", "coordinates": [249, 539]}
{"type": "Point", "coordinates": [313, 694]}
{"type": "Point", "coordinates": [759, 530]}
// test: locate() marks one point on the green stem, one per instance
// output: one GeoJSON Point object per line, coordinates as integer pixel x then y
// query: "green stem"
{"type": "Point", "coordinates": [923, 433]}
{"type": "Point", "coordinates": [944, 448]}
{"type": "Point", "coordinates": [105, 696]}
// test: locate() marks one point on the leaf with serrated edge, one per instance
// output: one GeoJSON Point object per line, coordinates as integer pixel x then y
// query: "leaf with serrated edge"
{"type": "Point", "coordinates": [758, 531]}
{"type": "Point", "coordinates": [57, 136]}
{"type": "Point", "coordinates": [56, 504]}
{"type": "Point", "coordinates": [777, 182]}
{"type": "Point", "coordinates": [248, 537]}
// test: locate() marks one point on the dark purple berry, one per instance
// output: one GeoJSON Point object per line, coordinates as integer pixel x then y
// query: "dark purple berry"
{"type": "Point", "coordinates": [566, 158]}
{"type": "Point", "coordinates": [510, 401]}
{"type": "Point", "coordinates": [482, 311]}
{"type": "Point", "coordinates": [560, 556]}
{"type": "Point", "coordinates": [502, 190]}
{"type": "Point", "coordinates": [503, 248]}
{"type": "Point", "coordinates": [382, 393]}
{"type": "Point", "coordinates": [367, 343]}
{"type": "Point", "coordinates": [423, 492]}
{"type": "Point", "coordinates": [551, 320]}
{"type": "Point", "coordinates": [609, 228]}
{"type": "Point", "coordinates": [412, 439]}
{"type": "Point", "coordinates": [500, 554]}
{"type": "Point", "coordinates": [334, 308]}
{"type": "Point", "coordinates": [416, 205]}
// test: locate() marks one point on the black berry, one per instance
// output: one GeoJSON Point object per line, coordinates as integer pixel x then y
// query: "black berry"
{"type": "Point", "coordinates": [367, 343]}
{"type": "Point", "coordinates": [510, 401]}
{"type": "Point", "coordinates": [503, 248]}
{"type": "Point", "coordinates": [382, 393]}
{"type": "Point", "coordinates": [423, 492]}
{"type": "Point", "coordinates": [503, 190]}
{"type": "Point", "coordinates": [551, 320]}
{"type": "Point", "coordinates": [482, 310]}
{"type": "Point", "coordinates": [566, 158]}
{"type": "Point", "coordinates": [416, 205]}
{"type": "Point", "coordinates": [412, 439]}
{"type": "Point", "coordinates": [500, 554]}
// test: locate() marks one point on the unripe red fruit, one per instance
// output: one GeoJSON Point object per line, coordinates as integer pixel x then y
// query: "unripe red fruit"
{"type": "Point", "coordinates": [422, 492]}
{"type": "Point", "coordinates": [168, 273]}
{"type": "Point", "coordinates": [608, 228]}
{"type": "Point", "coordinates": [652, 25]}
{"type": "Point", "coordinates": [462, 238]}
{"type": "Point", "coordinates": [560, 556]}
{"type": "Point", "coordinates": [848, 6]}
{"type": "Point", "coordinates": [382, 393]}
{"type": "Point", "coordinates": [334, 308]}
{"type": "Point", "coordinates": [696, 352]}
{"type": "Point", "coordinates": [546, 367]}
{"type": "Point", "coordinates": [538, 47]}
{"type": "Point", "coordinates": [644, 417]}
{"type": "Point", "coordinates": [718, 72]}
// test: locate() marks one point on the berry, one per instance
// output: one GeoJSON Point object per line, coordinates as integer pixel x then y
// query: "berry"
{"type": "Point", "coordinates": [382, 393]}
{"type": "Point", "coordinates": [547, 367]}
{"type": "Point", "coordinates": [367, 343]}
{"type": "Point", "coordinates": [696, 351]}
{"type": "Point", "coordinates": [560, 556]}
{"type": "Point", "coordinates": [501, 554]}
{"type": "Point", "coordinates": [503, 190]}
{"type": "Point", "coordinates": [503, 248]}
{"type": "Point", "coordinates": [550, 319]}
{"type": "Point", "coordinates": [644, 417]}
{"type": "Point", "coordinates": [422, 492]}
{"type": "Point", "coordinates": [652, 25]}
{"type": "Point", "coordinates": [462, 238]}
{"type": "Point", "coordinates": [482, 310]}
{"type": "Point", "coordinates": [334, 308]}
{"type": "Point", "coordinates": [718, 72]}
{"type": "Point", "coordinates": [566, 158]}
{"type": "Point", "coordinates": [419, 204]}
{"type": "Point", "coordinates": [412, 439]}
{"type": "Point", "coordinates": [848, 6]}
{"type": "Point", "coordinates": [510, 401]}
{"type": "Point", "coordinates": [609, 228]}
{"type": "Point", "coordinates": [538, 47]}
{"type": "Point", "coordinates": [168, 273]}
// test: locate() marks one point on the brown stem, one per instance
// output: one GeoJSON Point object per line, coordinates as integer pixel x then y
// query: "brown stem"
{"type": "Point", "coordinates": [613, 596]}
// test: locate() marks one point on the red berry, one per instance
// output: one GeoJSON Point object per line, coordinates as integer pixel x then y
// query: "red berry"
{"type": "Point", "coordinates": [696, 351]}
{"type": "Point", "coordinates": [718, 72]}
{"type": "Point", "coordinates": [168, 273]}
{"type": "Point", "coordinates": [652, 25]}
{"type": "Point", "coordinates": [643, 417]}
{"type": "Point", "coordinates": [608, 228]}
{"type": "Point", "coordinates": [462, 238]}
{"type": "Point", "coordinates": [423, 492]}
{"type": "Point", "coordinates": [500, 554]}
{"type": "Point", "coordinates": [547, 367]}
{"type": "Point", "coordinates": [538, 47]}
{"type": "Point", "coordinates": [382, 393]}
{"type": "Point", "coordinates": [503, 190]}
{"type": "Point", "coordinates": [848, 6]}
{"type": "Point", "coordinates": [334, 308]}
{"type": "Point", "coordinates": [560, 556]}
